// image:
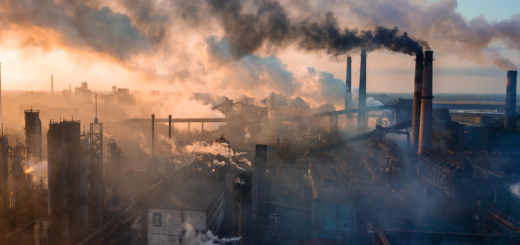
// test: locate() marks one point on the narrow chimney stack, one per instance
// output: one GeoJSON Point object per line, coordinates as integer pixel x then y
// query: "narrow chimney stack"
{"type": "Point", "coordinates": [510, 107]}
{"type": "Point", "coordinates": [261, 177]}
{"type": "Point", "coordinates": [362, 98]}
{"type": "Point", "coordinates": [425, 130]}
{"type": "Point", "coordinates": [271, 106]}
{"type": "Point", "coordinates": [1, 120]}
{"type": "Point", "coordinates": [348, 82]}
{"type": "Point", "coordinates": [153, 138]}
{"type": "Point", "coordinates": [52, 85]}
{"type": "Point", "coordinates": [417, 94]}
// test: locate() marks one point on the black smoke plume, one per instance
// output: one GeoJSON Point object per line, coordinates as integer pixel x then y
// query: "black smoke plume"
{"type": "Point", "coordinates": [271, 26]}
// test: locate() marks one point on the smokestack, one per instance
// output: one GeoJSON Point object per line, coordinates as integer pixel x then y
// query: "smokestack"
{"type": "Point", "coordinates": [1, 120]}
{"type": "Point", "coordinates": [425, 130]}
{"type": "Point", "coordinates": [261, 176]}
{"type": "Point", "coordinates": [114, 89]}
{"type": "Point", "coordinates": [348, 82]}
{"type": "Point", "coordinates": [510, 108]}
{"type": "Point", "coordinates": [170, 126]}
{"type": "Point", "coordinates": [417, 94]}
{"type": "Point", "coordinates": [271, 106]}
{"type": "Point", "coordinates": [362, 98]}
{"type": "Point", "coordinates": [153, 138]}
{"type": "Point", "coordinates": [96, 119]}
{"type": "Point", "coordinates": [170, 134]}
{"type": "Point", "coordinates": [52, 85]}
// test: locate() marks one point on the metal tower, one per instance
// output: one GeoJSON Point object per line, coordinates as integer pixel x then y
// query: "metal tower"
{"type": "Point", "coordinates": [96, 171]}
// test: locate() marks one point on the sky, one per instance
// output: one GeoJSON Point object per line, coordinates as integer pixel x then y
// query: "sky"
{"type": "Point", "coordinates": [492, 10]}
{"type": "Point", "coordinates": [110, 43]}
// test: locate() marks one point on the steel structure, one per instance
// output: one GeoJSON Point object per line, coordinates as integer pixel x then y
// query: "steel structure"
{"type": "Point", "coordinates": [96, 171]}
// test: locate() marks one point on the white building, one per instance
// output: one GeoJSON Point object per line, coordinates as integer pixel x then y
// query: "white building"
{"type": "Point", "coordinates": [199, 203]}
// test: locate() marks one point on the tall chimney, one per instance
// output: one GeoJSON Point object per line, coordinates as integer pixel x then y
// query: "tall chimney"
{"type": "Point", "coordinates": [271, 106]}
{"type": "Point", "coordinates": [510, 110]}
{"type": "Point", "coordinates": [1, 119]}
{"type": "Point", "coordinates": [425, 130]}
{"type": "Point", "coordinates": [170, 134]}
{"type": "Point", "coordinates": [52, 85]}
{"type": "Point", "coordinates": [261, 177]}
{"type": "Point", "coordinates": [153, 138]}
{"type": "Point", "coordinates": [362, 98]}
{"type": "Point", "coordinates": [417, 94]}
{"type": "Point", "coordinates": [348, 81]}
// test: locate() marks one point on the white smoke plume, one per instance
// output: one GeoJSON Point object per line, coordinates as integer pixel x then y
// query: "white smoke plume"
{"type": "Point", "coordinates": [192, 238]}
{"type": "Point", "coordinates": [217, 148]}
{"type": "Point", "coordinates": [38, 171]}
{"type": "Point", "coordinates": [515, 190]}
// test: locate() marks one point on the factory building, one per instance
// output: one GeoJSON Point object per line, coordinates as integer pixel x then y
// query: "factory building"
{"type": "Point", "coordinates": [197, 204]}
{"type": "Point", "coordinates": [67, 173]}
{"type": "Point", "coordinates": [332, 208]}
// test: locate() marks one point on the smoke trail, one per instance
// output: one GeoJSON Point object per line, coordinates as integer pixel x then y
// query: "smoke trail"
{"type": "Point", "coordinates": [444, 27]}
{"type": "Point", "coordinates": [271, 26]}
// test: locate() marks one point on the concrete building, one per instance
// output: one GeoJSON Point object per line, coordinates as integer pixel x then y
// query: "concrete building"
{"type": "Point", "coordinates": [199, 203]}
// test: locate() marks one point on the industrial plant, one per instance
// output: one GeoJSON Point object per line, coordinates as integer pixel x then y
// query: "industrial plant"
{"type": "Point", "coordinates": [414, 170]}
{"type": "Point", "coordinates": [151, 122]}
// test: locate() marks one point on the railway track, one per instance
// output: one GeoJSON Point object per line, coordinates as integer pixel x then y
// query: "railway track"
{"type": "Point", "coordinates": [16, 220]}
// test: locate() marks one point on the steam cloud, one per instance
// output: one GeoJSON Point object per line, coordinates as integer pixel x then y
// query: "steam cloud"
{"type": "Point", "coordinates": [209, 238]}
{"type": "Point", "coordinates": [38, 171]}
{"type": "Point", "coordinates": [515, 190]}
